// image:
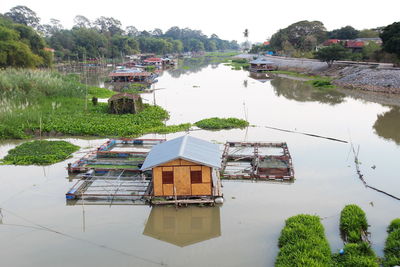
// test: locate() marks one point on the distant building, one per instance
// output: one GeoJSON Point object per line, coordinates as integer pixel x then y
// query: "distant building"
{"type": "Point", "coordinates": [331, 42]}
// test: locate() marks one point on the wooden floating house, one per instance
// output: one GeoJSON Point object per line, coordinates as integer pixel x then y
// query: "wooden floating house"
{"type": "Point", "coordinates": [184, 171]}
{"type": "Point", "coordinates": [132, 75]}
{"type": "Point", "coordinates": [261, 64]}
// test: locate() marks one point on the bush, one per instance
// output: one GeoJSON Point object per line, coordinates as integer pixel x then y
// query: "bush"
{"type": "Point", "coordinates": [392, 245]}
{"type": "Point", "coordinates": [221, 123]}
{"type": "Point", "coordinates": [352, 222]}
{"type": "Point", "coordinates": [40, 152]}
{"type": "Point", "coordinates": [303, 243]}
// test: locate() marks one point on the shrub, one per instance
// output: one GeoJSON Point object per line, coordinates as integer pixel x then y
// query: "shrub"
{"type": "Point", "coordinates": [221, 123]}
{"type": "Point", "coordinates": [352, 222]}
{"type": "Point", "coordinates": [394, 225]}
{"type": "Point", "coordinates": [303, 243]}
{"type": "Point", "coordinates": [40, 152]}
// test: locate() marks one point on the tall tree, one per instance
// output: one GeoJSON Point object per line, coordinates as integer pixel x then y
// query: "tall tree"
{"type": "Point", "coordinates": [82, 22]}
{"type": "Point", "coordinates": [23, 15]}
{"type": "Point", "coordinates": [108, 25]}
{"type": "Point", "coordinates": [391, 38]}
{"type": "Point", "coordinates": [132, 31]}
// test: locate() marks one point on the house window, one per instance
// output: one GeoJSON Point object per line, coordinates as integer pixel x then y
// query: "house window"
{"type": "Point", "coordinates": [167, 177]}
{"type": "Point", "coordinates": [195, 177]}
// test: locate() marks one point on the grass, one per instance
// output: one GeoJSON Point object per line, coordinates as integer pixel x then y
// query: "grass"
{"type": "Point", "coordinates": [356, 255]}
{"type": "Point", "coordinates": [316, 81]}
{"type": "Point", "coordinates": [303, 243]}
{"type": "Point", "coordinates": [40, 153]}
{"type": "Point", "coordinates": [34, 101]}
{"type": "Point", "coordinates": [221, 123]}
{"type": "Point", "coordinates": [150, 68]}
{"type": "Point", "coordinates": [100, 92]}
{"type": "Point", "coordinates": [238, 64]}
{"type": "Point", "coordinates": [392, 244]}
{"type": "Point", "coordinates": [352, 223]}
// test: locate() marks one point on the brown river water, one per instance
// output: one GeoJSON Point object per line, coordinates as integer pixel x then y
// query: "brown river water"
{"type": "Point", "coordinates": [38, 228]}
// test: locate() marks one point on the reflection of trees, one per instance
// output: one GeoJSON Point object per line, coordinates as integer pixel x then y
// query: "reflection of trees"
{"type": "Point", "coordinates": [387, 125]}
{"type": "Point", "coordinates": [303, 92]}
{"type": "Point", "coordinates": [192, 65]}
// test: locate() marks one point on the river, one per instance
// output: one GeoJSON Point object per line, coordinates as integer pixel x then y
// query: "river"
{"type": "Point", "coordinates": [38, 228]}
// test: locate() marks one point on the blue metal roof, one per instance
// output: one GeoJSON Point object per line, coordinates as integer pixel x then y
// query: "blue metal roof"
{"type": "Point", "coordinates": [187, 148]}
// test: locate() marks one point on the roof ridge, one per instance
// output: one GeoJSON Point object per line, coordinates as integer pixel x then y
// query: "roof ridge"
{"type": "Point", "coordinates": [183, 145]}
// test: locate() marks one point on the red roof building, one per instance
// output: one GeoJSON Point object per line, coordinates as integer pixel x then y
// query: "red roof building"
{"type": "Point", "coordinates": [354, 44]}
{"type": "Point", "coordinates": [331, 42]}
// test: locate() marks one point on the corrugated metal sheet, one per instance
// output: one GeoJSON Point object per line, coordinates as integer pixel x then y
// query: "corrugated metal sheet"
{"type": "Point", "coordinates": [185, 147]}
{"type": "Point", "coordinates": [261, 61]}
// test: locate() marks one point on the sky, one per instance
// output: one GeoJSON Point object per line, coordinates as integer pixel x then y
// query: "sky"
{"type": "Point", "coordinates": [227, 19]}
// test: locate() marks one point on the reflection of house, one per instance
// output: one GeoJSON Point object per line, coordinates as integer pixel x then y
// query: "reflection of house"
{"type": "Point", "coordinates": [185, 226]}
{"type": "Point", "coordinates": [184, 167]}
{"type": "Point", "coordinates": [125, 103]}
{"type": "Point", "coordinates": [261, 64]}
{"type": "Point", "coordinates": [261, 77]}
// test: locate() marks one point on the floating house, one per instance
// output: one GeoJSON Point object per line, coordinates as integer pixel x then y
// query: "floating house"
{"type": "Point", "coordinates": [131, 75]}
{"type": "Point", "coordinates": [185, 167]}
{"type": "Point", "coordinates": [262, 64]}
{"type": "Point", "coordinates": [156, 61]}
{"type": "Point", "coordinates": [125, 103]}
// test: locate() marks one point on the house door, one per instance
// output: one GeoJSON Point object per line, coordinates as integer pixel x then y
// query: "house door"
{"type": "Point", "coordinates": [182, 181]}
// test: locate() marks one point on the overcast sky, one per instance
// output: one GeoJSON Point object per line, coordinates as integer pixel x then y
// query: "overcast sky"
{"type": "Point", "coordinates": [227, 19]}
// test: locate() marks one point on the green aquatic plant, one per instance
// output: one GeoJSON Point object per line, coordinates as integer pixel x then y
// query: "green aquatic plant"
{"type": "Point", "coordinates": [392, 245]}
{"type": "Point", "coordinates": [303, 243]}
{"type": "Point", "coordinates": [221, 123]}
{"type": "Point", "coordinates": [40, 152]}
{"type": "Point", "coordinates": [356, 255]}
{"type": "Point", "coordinates": [353, 222]}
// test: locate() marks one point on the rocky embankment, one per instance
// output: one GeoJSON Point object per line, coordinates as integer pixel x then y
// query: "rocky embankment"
{"type": "Point", "coordinates": [370, 77]}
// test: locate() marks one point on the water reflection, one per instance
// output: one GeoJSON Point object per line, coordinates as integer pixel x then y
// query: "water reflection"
{"type": "Point", "coordinates": [192, 65]}
{"type": "Point", "coordinates": [185, 226]}
{"type": "Point", "coordinates": [259, 76]}
{"type": "Point", "coordinates": [387, 125]}
{"type": "Point", "coordinates": [303, 92]}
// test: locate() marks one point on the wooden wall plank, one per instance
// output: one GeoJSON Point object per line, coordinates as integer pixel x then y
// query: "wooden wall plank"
{"type": "Point", "coordinates": [203, 189]}
{"type": "Point", "coordinates": [157, 181]}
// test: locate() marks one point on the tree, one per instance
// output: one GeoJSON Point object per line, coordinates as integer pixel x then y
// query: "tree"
{"type": "Point", "coordinates": [303, 36]}
{"type": "Point", "coordinates": [132, 31]}
{"type": "Point", "coordinates": [368, 33]}
{"type": "Point", "coordinates": [108, 25]}
{"type": "Point", "coordinates": [331, 53]}
{"type": "Point", "coordinates": [157, 32]}
{"type": "Point", "coordinates": [23, 15]}
{"type": "Point", "coordinates": [391, 38]}
{"type": "Point", "coordinates": [82, 22]}
{"type": "Point", "coordinates": [344, 33]}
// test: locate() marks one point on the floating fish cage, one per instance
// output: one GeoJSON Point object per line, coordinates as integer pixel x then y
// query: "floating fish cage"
{"type": "Point", "coordinates": [111, 186]}
{"type": "Point", "coordinates": [120, 154]}
{"type": "Point", "coordinates": [257, 160]}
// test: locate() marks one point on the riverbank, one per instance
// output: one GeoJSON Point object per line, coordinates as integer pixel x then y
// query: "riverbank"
{"type": "Point", "coordinates": [379, 77]}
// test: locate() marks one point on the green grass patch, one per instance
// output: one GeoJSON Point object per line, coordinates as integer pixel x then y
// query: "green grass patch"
{"type": "Point", "coordinates": [41, 100]}
{"type": "Point", "coordinates": [40, 153]}
{"type": "Point", "coordinates": [352, 223]}
{"type": "Point", "coordinates": [221, 123]}
{"type": "Point", "coordinates": [303, 243]}
{"type": "Point", "coordinates": [392, 244]}
{"type": "Point", "coordinates": [356, 255]}
{"type": "Point", "coordinates": [100, 92]}
{"type": "Point", "coordinates": [322, 83]}
{"type": "Point", "coordinates": [150, 68]}
{"type": "Point", "coordinates": [238, 64]}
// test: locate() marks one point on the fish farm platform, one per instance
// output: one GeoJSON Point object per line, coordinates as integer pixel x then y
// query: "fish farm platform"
{"type": "Point", "coordinates": [257, 160]}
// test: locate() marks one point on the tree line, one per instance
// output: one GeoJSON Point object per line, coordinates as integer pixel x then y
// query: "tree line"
{"type": "Point", "coordinates": [304, 38]}
{"type": "Point", "coordinates": [105, 38]}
